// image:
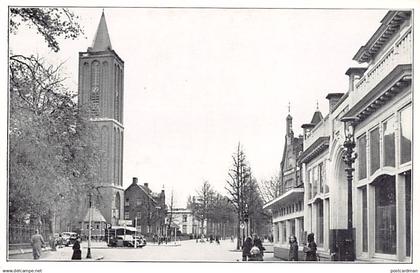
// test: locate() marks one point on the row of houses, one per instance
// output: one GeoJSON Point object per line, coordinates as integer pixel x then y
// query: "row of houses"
{"type": "Point", "coordinates": [314, 195]}
{"type": "Point", "coordinates": [148, 212]}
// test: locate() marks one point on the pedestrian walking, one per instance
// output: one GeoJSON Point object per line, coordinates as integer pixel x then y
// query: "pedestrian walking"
{"type": "Point", "coordinates": [257, 243]}
{"type": "Point", "coordinates": [310, 250]}
{"type": "Point", "coordinates": [60, 241]}
{"type": "Point", "coordinates": [77, 252]}
{"type": "Point", "coordinates": [246, 249]}
{"type": "Point", "coordinates": [293, 251]}
{"type": "Point", "coordinates": [37, 242]}
{"type": "Point", "coordinates": [52, 243]}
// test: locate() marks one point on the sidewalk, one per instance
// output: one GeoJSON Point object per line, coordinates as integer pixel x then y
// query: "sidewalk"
{"type": "Point", "coordinates": [47, 250]}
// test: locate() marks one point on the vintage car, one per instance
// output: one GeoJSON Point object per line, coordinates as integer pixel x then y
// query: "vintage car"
{"type": "Point", "coordinates": [68, 238]}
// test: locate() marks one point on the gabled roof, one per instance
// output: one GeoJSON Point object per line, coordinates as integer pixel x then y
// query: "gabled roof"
{"type": "Point", "coordinates": [96, 216]}
{"type": "Point", "coordinates": [316, 118]}
{"type": "Point", "coordinates": [101, 42]}
{"type": "Point", "coordinates": [142, 188]}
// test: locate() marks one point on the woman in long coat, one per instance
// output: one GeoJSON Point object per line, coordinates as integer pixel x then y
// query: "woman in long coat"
{"type": "Point", "coordinates": [293, 251]}
{"type": "Point", "coordinates": [37, 241]}
{"type": "Point", "coordinates": [246, 249]}
{"type": "Point", "coordinates": [310, 250]}
{"type": "Point", "coordinates": [77, 253]}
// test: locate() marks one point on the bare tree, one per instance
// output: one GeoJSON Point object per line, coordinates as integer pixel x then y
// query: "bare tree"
{"type": "Point", "coordinates": [203, 204]}
{"type": "Point", "coordinates": [270, 189]}
{"type": "Point", "coordinates": [170, 212]}
{"type": "Point", "coordinates": [236, 186]}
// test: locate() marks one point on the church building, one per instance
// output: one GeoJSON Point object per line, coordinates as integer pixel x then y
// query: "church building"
{"type": "Point", "coordinates": [101, 91]}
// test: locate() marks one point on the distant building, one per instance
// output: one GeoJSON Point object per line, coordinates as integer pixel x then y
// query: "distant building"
{"type": "Point", "coordinates": [185, 220]}
{"type": "Point", "coordinates": [146, 210]}
{"type": "Point", "coordinates": [287, 208]}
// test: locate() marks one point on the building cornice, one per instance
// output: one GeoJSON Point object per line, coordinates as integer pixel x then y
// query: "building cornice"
{"type": "Point", "coordinates": [389, 25]}
{"type": "Point", "coordinates": [316, 148]}
{"type": "Point", "coordinates": [396, 81]}
{"type": "Point", "coordinates": [107, 53]}
{"type": "Point", "coordinates": [106, 120]}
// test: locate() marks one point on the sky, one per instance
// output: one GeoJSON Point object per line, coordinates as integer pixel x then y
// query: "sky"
{"type": "Point", "coordinates": [198, 81]}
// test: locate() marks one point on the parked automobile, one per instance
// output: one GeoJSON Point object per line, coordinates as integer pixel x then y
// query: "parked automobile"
{"type": "Point", "coordinates": [127, 241]}
{"type": "Point", "coordinates": [141, 241]}
{"type": "Point", "coordinates": [68, 238]}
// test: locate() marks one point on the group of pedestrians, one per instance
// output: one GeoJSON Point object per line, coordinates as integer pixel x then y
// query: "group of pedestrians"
{"type": "Point", "coordinates": [252, 249]}
{"type": "Point", "coordinates": [37, 242]}
{"type": "Point", "coordinates": [309, 250]}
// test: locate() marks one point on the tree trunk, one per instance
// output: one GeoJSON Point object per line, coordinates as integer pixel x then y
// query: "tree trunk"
{"type": "Point", "coordinates": [239, 243]}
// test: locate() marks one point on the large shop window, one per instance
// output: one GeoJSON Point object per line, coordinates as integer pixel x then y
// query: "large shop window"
{"type": "Point", "coordinates": [292, 227]}
{"type": "Point", "coordinates": [362, 157]}
{"type": "Point", "coordinates": [364, 220]}
{"type": "Point", "coordinates": [320, 223]}
{"type": "Point", "coordinates": [374, 150]}
{"type": "Point", "coordinates": [389, 142]}
{"type": "Point", "coordinates": [408, 213]}
{"type": "Point", "coordinates": [283, 232]}
{"type": "Point", "coordinates": [405, 134]}
{"type": "Point", "coordinates": [385, 215]}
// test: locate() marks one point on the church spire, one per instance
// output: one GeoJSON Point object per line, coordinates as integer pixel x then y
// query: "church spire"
{"type": "Point", "coordinates": [102, 42]}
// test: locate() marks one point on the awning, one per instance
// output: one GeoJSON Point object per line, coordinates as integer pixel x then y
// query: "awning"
{"type": "Point", "coordinates": [286, 198]}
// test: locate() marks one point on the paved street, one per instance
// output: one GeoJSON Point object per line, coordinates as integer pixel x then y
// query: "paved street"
{"type": "Point", "coordinates": [184, 251]}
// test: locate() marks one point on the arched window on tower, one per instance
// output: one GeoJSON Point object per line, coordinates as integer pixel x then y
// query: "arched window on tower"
{"type": "Point", "coordinates": [117, 93]}
{"type": "Point", "coordinates": [94, 94]}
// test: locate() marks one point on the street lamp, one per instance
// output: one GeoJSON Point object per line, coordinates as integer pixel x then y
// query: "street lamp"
{"type": "Point", "coordinates": [89, 255]}
{"type": "Point", "coordinates": [349, 157]}
{"type": "Point", "coordinates": [246, 218]}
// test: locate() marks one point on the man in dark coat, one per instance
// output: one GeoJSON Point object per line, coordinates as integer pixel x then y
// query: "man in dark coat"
{"type": "Point", "coordinates": [37, 241]}
{"type": "Point", "coordinates": [310, 250]}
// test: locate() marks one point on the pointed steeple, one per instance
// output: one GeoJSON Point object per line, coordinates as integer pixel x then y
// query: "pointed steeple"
{"type": "Point", "coordinates": [102, 42]}
{"type": "Point", "coordinates": [288, 112]}
{"type": "Point", "coordinates": [289, 119]}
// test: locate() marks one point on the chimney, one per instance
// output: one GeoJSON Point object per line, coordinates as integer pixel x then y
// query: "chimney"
{"type": "Point", "coordinates": [333, 98]}
{"type": "Point", "coordinates": [146, 185]}
{"type": "Point", "coordinates": [135, 180]}
{"type": "Point", "coordinates": [307, 128]}
{"type": "Point", "coordinates": [354, 73]}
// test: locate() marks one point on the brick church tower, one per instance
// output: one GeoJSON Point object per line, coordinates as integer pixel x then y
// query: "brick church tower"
{"type": "Point", "coordinates": [101, 88]}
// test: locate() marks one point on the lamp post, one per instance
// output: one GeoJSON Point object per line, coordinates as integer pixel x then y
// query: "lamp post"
{"type": "Point", "coordinates": [349, 157]}
{"type": "Point", "coordinates": [89, 255]}
{"type": "Point", "coordinates": [246, 219]}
